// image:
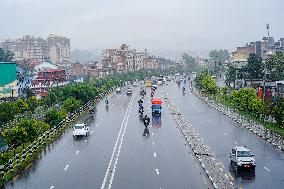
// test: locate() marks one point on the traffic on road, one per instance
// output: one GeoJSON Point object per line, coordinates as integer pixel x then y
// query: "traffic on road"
{"type": "Point", "coordinates": [132, 140]}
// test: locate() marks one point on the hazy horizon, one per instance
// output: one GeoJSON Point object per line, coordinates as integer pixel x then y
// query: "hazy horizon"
{"type": "Point", "coordinates": [157, 25]}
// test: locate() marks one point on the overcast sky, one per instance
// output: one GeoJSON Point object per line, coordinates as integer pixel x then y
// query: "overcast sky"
{"type": "Point", "coordinates": [152, 24]}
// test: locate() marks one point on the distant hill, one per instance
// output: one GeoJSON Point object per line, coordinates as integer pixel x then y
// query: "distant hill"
{"type": "Point", "coordinates": [84, 56]}
{"type": "Point", "coordinates": [174, 54]}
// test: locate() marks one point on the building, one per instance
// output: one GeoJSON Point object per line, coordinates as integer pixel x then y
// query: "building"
{"type": "Point", "coordinates": [126, 59]}
{"type": "Point", "coordinates": [44, 66]}
{"type": "Point", "coordinates": [27, 47]}
{"type": "Point", "coordinates": [8, 80]}
{"type": "Point", "coordinates": [59, 49]}
{"type": "Point", "coordinates": [47, 79]}
{"type": "Point", "coordinates": [55, 47]}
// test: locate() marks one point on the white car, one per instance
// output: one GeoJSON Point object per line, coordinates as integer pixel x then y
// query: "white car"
{"type": "Point", "coordinates": [242, 158]}
{"type": "Point", "coordinates": [129, 91]}
{"type": "Point", "coordinates": [160, 82]}
{"type": "Point", "coordinates": [80, 129]}
{"type": "Point", "coordinates": [118, 90]}
{"type": "Point", "coordinates": [134, 84]}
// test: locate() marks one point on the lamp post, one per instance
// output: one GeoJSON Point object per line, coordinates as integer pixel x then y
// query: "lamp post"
{"type": "Point", "coordinates": [264, 62]}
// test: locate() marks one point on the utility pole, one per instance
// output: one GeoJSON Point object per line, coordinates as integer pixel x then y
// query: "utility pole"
{"type": "Point", "coordinates": [236, 77]}
{"type": "Point", "coordinates": [268, 38]}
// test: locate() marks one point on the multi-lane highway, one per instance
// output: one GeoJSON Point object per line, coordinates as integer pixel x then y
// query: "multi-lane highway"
{"type": "Point", "coordinates": [116, 155]}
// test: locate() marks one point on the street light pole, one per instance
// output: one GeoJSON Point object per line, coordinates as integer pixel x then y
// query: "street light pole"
{"type": "Point", "coordinates": [264, 80]}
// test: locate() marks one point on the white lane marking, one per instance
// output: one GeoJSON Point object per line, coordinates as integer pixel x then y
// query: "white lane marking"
{"type": "Point", "coordinates": [101, 119]}
{"type": "Point", "coordinates": [225, 134]}
{"type": "Point", "coordinates": [204, 180]}
{"type": "Point", "coordinates": [51, 187]}
{"type": "Point", "coordinates": [209, 120]}
{"type": "Point", "coordinates": [155, 155]}
{"type": "Point", "coordinates": [266, 169]}
{"type": "Point", "coordinates": [153, 142]}
{"type": "Point", "coordinates": [235, 142]}
{"type": "Point", "coordinates": [157, 171]}
{"type": "Point", "coordinates": [226, 175]}
{"type": "Point", "coordinates": [118, 153]}
{"type": "Point", "coordinates": [115, 146]}
{"type": "Point", "coordinates": [97, 125]}
{"type": "Point", "coordinates": [86, 140]}
{"type": "Point", "coordinates": [66, 167]}
{"type": "Point", "coordinates": [232, 178]}
{"type": "Point", "coordinates": [152, 133]}
{"type": "Point", "coordinates": [197, 166]}
{"type": "Point", "coordinates": [77, 152]}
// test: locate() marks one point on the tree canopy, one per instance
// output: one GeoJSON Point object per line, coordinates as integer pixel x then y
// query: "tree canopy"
{"type": "Point", "coordinates": [6, 56]}
{"type": "Point", "coordinates": [275, 66]}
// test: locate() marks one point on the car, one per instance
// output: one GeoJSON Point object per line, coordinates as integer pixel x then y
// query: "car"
{"type": "Point", "coordinates": [154, 86]}
{"type": "Point", "coordinates": [160, 82]}
{"type": "Point", "coordinates": [242, 158]}
{"type": "Point", "coordinates": [118, 90]}
{"type": "Point", "coordinates": [129, 91]}
{"type": "Point", "coordinates": [134, 84]}
{"type": "Point", "coordinates": [80, 129]}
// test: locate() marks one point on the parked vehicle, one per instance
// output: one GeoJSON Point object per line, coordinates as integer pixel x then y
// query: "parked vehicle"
{"type": "Point", "coordinates": [80, 129]}
{"type": "Point", "coordinates": [156, 106]}
{"type": "Point", "coordinates": [242, 158]}
{"type": "Point", "coordinates": [129, 91]}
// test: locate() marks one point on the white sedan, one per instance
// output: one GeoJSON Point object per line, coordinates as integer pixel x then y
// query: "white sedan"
{"type": "Point", "coordinates": [80, 130]}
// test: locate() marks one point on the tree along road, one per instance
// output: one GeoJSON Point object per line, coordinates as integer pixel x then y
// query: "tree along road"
{"type": "Point", "coordinates": [116, 155]}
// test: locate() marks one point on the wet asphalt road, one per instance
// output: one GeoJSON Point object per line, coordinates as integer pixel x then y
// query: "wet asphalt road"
{"type": "Point", "coordinates": [221, 133]}
{"type": "Point", "coordinates": [116, 155]}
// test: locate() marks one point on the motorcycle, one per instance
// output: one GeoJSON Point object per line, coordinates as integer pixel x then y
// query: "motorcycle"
{"type": "Point", "coordinates": [146, 133]}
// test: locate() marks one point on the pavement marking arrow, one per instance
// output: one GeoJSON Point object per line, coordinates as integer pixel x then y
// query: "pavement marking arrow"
{"type": "Point", "coordinates": [157, 171]}
{"type": "Point", "coordinates": [66, 167]}
{"type": "Point", "coordinates": [266, 169]}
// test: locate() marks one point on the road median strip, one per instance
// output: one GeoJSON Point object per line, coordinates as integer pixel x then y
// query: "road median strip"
{"type": "Point", "coordinates": [206, 159]}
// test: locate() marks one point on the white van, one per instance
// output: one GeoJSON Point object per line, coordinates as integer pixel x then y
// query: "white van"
{"type": "Point", "coordinates": [242, 158]}
{"type": "Point", "coordinates": [80, 129]}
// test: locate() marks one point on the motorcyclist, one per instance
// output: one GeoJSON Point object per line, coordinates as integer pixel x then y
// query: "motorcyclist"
{"type": "Point", "coordinates": [141, 108]}
{"type": "Point", "coordinates": [183, 89]}
{"type": "Point", "coordinates": [106, 101]}
{"type": "Point", "coordinates": [140, 102]}
{"type": "Point", "coordinates": [146, 121]}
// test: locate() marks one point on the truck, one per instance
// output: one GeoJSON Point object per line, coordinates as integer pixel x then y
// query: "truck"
{"type": "Point", "coordinates": [242, 158]}
{"type": "Point", "coordinates": [156, 106]}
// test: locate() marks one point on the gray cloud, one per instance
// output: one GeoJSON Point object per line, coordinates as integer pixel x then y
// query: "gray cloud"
{"type": "Point", "coordinates": [152, 24]}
